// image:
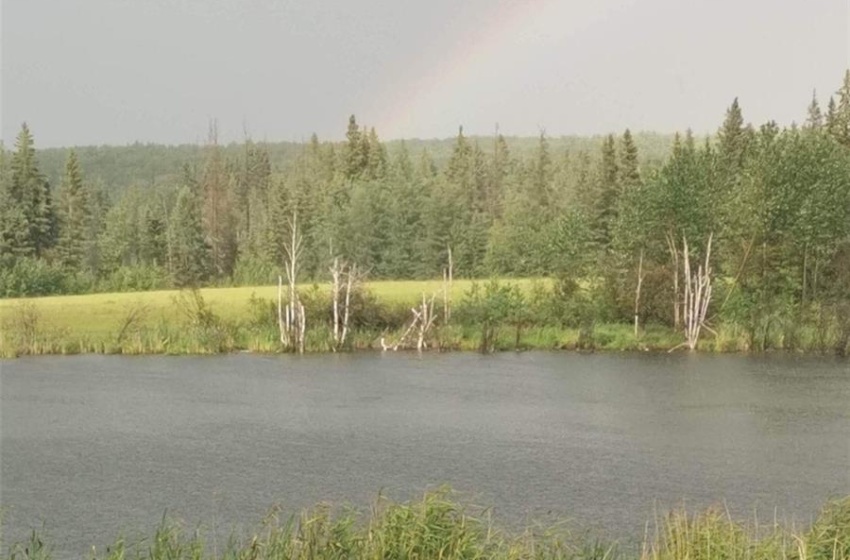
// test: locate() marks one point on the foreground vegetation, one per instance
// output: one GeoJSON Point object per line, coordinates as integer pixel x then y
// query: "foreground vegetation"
{"type": "Point", "coordinates": [439, 528]}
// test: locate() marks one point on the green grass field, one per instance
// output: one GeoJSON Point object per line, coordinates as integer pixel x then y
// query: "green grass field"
{"type": "Point", "coordinates": [97, 314]}
{"type": "Point", "coordinates": [88, 320]}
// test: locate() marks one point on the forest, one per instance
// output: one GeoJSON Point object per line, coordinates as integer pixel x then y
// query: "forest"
{"type": "Point", "coordinates": [625, 226]}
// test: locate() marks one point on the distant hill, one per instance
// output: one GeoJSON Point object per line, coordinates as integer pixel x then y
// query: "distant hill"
{"type": "Point", "coordinates": [118, 167]}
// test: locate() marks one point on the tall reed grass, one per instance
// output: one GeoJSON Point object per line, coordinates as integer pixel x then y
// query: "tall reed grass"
{"type": "Point", "coordinates": [438, 527]}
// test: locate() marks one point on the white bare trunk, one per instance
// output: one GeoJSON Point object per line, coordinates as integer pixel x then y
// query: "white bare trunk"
{"type": "Point", "coordinates": [637, 293]}
{"type": "Point", "coordinates": [447, 288]}
{"type": "Point", "coordinates": [697, 293]}
{"type": "Point", "coordinates": [293, 328]}
{"type": "Point", "coordinates": [422, 322]}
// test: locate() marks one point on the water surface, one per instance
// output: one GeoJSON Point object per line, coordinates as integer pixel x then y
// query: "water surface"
{"type": "Point", "coordinates": [94, 446]}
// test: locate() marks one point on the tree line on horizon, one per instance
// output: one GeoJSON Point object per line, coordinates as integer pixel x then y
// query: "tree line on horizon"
{"type": "Point", "coordinates": [776, 202]}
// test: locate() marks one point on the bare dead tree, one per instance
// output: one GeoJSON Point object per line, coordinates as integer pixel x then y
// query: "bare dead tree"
{"type": "Point", "coordinates": [426, 321]}
{"type": "Point", "coordinates": [346, 278]}
{"type": "Point", "coordinates": [292, 320]}
{"type": "Point", "coordinates": [674, 256]}
{"type": "Point", "coordinates": [422, 322]}
{"type": "Point", "coordinates": [637, 293]}
{"type": "Point", "coordinates": [697, 294]}
{"type": "Point", "coordinates": [448, 272]}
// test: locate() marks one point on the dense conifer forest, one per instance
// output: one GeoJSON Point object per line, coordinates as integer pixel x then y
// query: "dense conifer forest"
{"type": "Point", "coordinates": [614, 221]}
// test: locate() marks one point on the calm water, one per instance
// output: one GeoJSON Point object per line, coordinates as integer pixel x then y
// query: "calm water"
{"type": "Point", "coordinates": [91, 447]}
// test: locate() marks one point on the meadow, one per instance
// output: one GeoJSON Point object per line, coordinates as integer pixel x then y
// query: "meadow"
{"type": "Point", "coordinates": [99, 315]}
{"type": "Point", "coordinates": [215, 320]}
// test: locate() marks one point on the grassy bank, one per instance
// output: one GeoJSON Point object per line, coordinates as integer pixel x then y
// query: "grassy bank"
{"type": "Point", "coordinates": [438, 527]}
{"type": "Point", "coordinates": [244, 319]}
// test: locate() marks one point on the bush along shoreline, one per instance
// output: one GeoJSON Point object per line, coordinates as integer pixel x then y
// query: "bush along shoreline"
{"type": "Point", "coordinates": [437, 526]}
{"type": "Point", "coordinates": [486, 317]}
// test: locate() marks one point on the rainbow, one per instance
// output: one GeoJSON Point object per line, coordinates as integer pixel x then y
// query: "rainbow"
{"type": "Point", "coordinates": [511, 22]}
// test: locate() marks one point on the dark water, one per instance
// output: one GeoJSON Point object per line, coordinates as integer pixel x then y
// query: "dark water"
{"type": "Point", "coordinates": [92, 447]}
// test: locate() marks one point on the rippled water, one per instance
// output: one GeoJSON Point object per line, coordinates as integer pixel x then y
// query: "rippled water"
{"type": "Point", "coordinates": [94, 446]}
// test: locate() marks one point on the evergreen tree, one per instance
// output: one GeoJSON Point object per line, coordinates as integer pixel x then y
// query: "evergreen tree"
{"type": "Point", "coordinates": [841, 128]}
{"type": "Point", "coordinates": [356, 150]}
{"type": "Point", "coordinates": [426, 169]}
{"type": "Point", "coordinates": [32, 220]}
{"type": "Point", "coordinates": [814, 116]}
{"type": "Point", "coordinates": [7, 205]}
{"type": "Point", "coordinates": [376, 156]}
{"type": "Point", "coordinates": [74, 215]}
{"type": "Point", "coordinates": [402, 167]}
{"type": "Point", "coordinates": [187, 250]}
{"type": "Point", "coordinates": [252, 189]}
{"type": "Point", "coordinates": [832, 118]}
{"type": "Point", "coordinates": [154, 246]}
{"type": "Point", "coordinates": [121, 238]}
{"type": "Point", "coordinates": [219, 223]}
{"type": "Point", "coordinates": [499, 170]}
{"type": "Point", "coordinates": [607, 193]}
{"type": "Point", "coordinates": [733, 139]}
{"type": "Point", "coordinates": [541, 184]}
{"type": "Point", "coordinates": [628, 167]}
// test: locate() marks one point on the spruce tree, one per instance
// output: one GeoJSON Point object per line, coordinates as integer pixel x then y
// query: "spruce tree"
{"type": "Point", "coordinates": [608, 192]}
{"type": "Point", "coordinates": [831, 119]}
{"type": "Point", "coordinates": [732, 139]}
{"type": "Point", "coordinates": [154, 247]}
{"type": "Point", "coordinates": [499, 169]}
{"type": "Point", "coordinates": [356, 150]}
{"type": "Point", "coordinates": [628, 168]}
{"type": "Point", "coordinates": [33, 215]}
{"type": "Point", "coordinates": [7, 206]}
{"type": "Point", "coordinates": [402, 167]}
{"type": "Point", "coordinates": [841, 127]}
{"type": "Point", "coordinates": [188, 253]}
{"type": "Point", "coordinates": [74, 215]}
{"type": "Point", "coordinates": [219, 222]}
{"type": "Point", "coordinates": [541, 183]}
{"type": "Point", "coordinates": [376, 156]}
{"type": "Point", "coordinates": [814, 116]}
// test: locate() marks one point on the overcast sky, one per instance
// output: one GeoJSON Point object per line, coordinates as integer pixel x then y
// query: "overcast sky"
{"type": "Point", "coordinates": [84, 72]}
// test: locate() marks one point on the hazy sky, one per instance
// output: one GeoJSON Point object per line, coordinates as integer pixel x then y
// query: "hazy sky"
{"type": "Point", "coordinates": [119, 71]}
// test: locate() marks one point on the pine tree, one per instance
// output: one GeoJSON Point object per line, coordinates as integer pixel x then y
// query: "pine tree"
{"type": "Point", "coordinates": [628, 168]}
{"type": "Point", "coordinates": [832, 118]}
{"type": "Point", "coordinates": [814, 117]}
{"type": "Point", "coordinates": [187, 251]}
{"type": "Point", "coordinates": [426, 169]}
{"type": "Point", "coordinates": [154, 246]}
{"type": "Point", "coordinates": [608, 192]}
{"type": "Point", "coordinates": [842, 118]}
{"type": "Point", "coordinates": [732, 140]}
{"type": "Point", "coordinates": [32, 217]}
{"type": "Point", "coordinates": [402, 167]}
{"type": "Point", "coordinates": [356, 150]}
{"type": "Point", "coordinates": [219, 223]}
{"type": "Point", "coordinates": [252, 189]}
{"type": "Point", "coordinates": [736, 149]}
{"type": "Point", "coordinates": [74, 215]}
{"type": "Point", "coordinates": [541, 183]}
{"type": "Point", "coordinates": [459, 167]}
{"type": "Point", "coordinates": [7, 205]}
{"type": "Point", "coordinates": [499, 169]}
{"type": "Point", "coordinates": [376, 156]}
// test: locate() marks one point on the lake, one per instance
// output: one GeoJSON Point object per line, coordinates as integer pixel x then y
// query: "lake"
{"type": "Point", "coordinates": [96, 446]}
